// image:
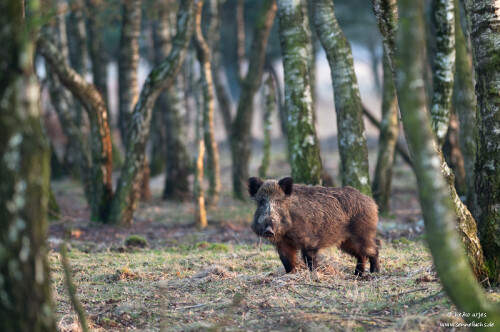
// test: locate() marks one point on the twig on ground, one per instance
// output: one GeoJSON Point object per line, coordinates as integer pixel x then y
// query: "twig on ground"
{"type": "Point", "coordinates": [408, 292]}
{"type": "Point", "coordinates": [82, 316]}
{"type": "Point", "coordinates": [319, 286]}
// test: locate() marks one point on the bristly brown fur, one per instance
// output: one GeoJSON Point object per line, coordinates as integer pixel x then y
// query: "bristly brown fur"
{"type": "Point", "coordinates": [309, 218]}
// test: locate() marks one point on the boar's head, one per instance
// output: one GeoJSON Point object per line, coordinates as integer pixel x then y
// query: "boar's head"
{"type": "Point", "coordinates": [272, 217]}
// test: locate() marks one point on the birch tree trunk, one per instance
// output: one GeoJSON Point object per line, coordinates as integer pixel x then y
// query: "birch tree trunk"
{"type": "Point", "coordinates": [77, 43]}
{"type": "Point", "coordinates": [386, 12]}
{"type": "Point", "coordinates": [178, 163]}
{"type": "Point", "coordinates": [213, 166]}
{"type": "Point", "coordinates": [159, 79]}
{"type": "Point", "coordinates": [240, 129]}
{"type": "Point", "coordinates": [389, 132]}
{"type": "Point", "coordinates": [311, 50]}
{"type": "Point", "coordinates": [100, 143]}
{"type": "Point", "coordinates": [199, 193]}
{"type": "Point", "coordinates": [25, 301]}
{"type": "Point", "coordinates": [437, 207]}
{"type": "Point", "coordinates": [350, 125]}
{"type": "Point", "coordinates": [96, 53]}
{"type": "Point", "coordinates": [453, 155]}
{"type": "Point", "coordinates": [240, 35]}
{"type": "Point", "coordinates": [170, 106]}
{"type": "Point", "coordinates": [483, 19]}
{"type": "Point", "coordinates": [400, 148]}
{"type": "Point", "coordinates": [302, 139]}
{"type": "Point", "coordinates": [464, 100]}
{"type": "Point", "coordinates": [269, 107]}
{"type": "Point", "coordinates": [128, 61]}
{"type": "Point", "coordinates": [222, 94]}
{"type": "Point", "coordinates": [64, 105]}
{"type": "Point", "coordinates": [162, 42]}
{"type": "Point", "coordinates": [444, 67]}
{"type": "Point", "coordinates": [78, 57]}
{"type": "Point", "coordinates": [61, 101]}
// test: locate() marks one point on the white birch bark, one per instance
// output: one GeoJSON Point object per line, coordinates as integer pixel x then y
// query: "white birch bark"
{"type": "Point", "coordinates": [303, 142]}
{"type": "Point", "coordinates": [350, 125]}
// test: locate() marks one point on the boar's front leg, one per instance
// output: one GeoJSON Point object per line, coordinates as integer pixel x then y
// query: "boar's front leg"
{"type": "Point", "coordinates": [288, 256]}
{"type": "Point", "coordinates": [309, 256]}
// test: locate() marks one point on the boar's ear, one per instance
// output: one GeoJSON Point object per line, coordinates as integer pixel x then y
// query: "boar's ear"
{"type": "Point", "coordinates": [254, 184]}
{"type": "Point", "coordinates": [286, 185]}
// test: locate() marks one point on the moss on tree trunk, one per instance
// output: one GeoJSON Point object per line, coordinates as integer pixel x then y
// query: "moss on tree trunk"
{"type": "Point", "coordinates": [437, 206]}
{"type": "Point", "coordinates": [303, 142]}
{"type": "Point", "coordinates": [483, 19]}
{"type": "Point", "coordinates": [466, 224]}
{"type": "Point", "coordinates": [25, 301]}
{"type": "Point", "coordinates": [350, 125]}
{"type": "Point", "coordinates": [444, 67]}
{"type": "Point", "coordinates": [464, 101]}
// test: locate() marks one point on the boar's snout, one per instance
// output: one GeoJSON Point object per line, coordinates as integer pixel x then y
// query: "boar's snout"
{"type": "Point", "coordinates": [268, 232]}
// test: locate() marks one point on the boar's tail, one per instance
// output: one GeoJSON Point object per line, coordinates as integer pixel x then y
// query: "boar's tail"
{"type": "Point", "coordinates": [379, 243]}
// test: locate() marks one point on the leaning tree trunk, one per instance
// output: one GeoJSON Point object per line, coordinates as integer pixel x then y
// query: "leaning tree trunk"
{"type": "Point", "coordinates": [61, 101]}
{"type": "Point", "coordinates": [269, 98]}
{"type": "Point", "coordinates": [159, 79]}
{"type": "Point", "coordinates": [444, 67]}
{"type": "Point", "coordinates": [483, 17]}
{"type": "Point", "coordinates": [25, 301]}
{"type": "Point", "coordinates": [170, 106]}
{"type": "Point", "coordinates": [302, 139]}
{"type": "Point", "coordinates": [464, 101]}
{"type": "Point", "coordinates": [91, 99]}
{"type": "Point", "coordinates": [240, 129]}
{"type": "Point", "coordinates": [389, 132]}
{"type": "Point", "coordinates": [203, 53]}
{"type": "Point", "coordinates": [466, 224]}
{"type": "Point", "coordinates": [350, 125]}
{"type": "Point", "coordinates": [437, 207]}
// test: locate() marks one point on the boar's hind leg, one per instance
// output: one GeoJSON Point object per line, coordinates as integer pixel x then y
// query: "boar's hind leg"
{"type": "Point", "coordinates": [374, 262]}
{"type": "Point", "coordinates": [288, 256]}
{"type": "Point", "coordinates": [310, 258]}
{"type": "Point", "coordinates": [348, 247]}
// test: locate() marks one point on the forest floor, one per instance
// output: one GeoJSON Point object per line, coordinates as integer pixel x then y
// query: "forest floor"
{"type": "Point", "coordinates": [225, 278]}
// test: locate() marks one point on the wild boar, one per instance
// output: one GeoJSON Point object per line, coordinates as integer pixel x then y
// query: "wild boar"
{"type": "Point", "coordinates": [309, 218]}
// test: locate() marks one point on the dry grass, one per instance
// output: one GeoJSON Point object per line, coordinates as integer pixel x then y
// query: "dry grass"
{"type": "Point", "coordinates": [245, 288]}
